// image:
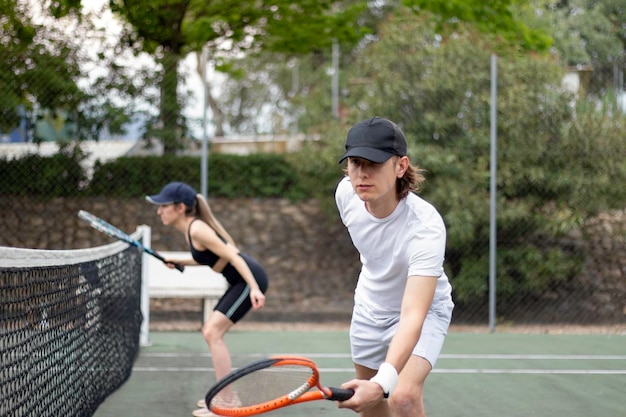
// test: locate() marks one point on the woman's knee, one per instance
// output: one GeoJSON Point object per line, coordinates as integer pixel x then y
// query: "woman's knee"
{"type": "Point", "coordinates": [208, 332]}
{"type": "Point", "coordinates": [215, 328]}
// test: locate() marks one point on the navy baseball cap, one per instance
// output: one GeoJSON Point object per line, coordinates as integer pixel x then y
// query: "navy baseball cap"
{"type": "Point", "coordinates": [174, 192]}
{"type": "Point", "coordinates": [376, 140]}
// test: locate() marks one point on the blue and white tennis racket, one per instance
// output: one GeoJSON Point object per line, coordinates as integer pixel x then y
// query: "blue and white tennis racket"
{"type": "Point", "coordinates": [106, 228]}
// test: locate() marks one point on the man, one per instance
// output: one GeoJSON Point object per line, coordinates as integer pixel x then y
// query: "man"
{"type": "Point", "coordinates": [403, 302]}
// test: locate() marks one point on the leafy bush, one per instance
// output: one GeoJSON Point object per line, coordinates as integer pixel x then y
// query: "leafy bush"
{"type": "Point", "coordinates": [556, 164]}
{"type": "Point", "coordinates": [138, 176]}
{"type": "Point", "coordinates": [60, 175]}
{"type": "Point", "coordinates": [257, 175]}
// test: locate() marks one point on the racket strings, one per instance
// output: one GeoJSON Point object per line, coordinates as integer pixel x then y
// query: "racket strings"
{"type": "Point", "coordinates": [263, 386]}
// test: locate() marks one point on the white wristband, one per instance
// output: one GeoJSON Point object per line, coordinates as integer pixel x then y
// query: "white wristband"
{"type": "Point", "coordinates": [387, 378]}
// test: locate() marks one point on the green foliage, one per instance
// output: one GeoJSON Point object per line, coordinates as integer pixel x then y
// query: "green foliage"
{"type": "Point", "coordinates": [312, 25]}
{"type": "Point", "coordinates": [170, 29]}
{"type": "Point", "coordinates": [495, 17]}
{"type": "Point", "coordinates": [556, 164]}
{"type": "Point", "coordinates": [523, 271]}
{"type": "Point", "coordinates": [586, 32]}
{"type": "Point", "coordinates": [136, 176]}
{"type": "Point", "coordinates": [297, 86]}
{"type": "Point", "coordinates": [230, 176]}
{"type": "Point", "coordinates": [266, 175]}
{"type": "Point", "coordinates": [42, 67]}
{"type": "Point", "coordinates": [589, 165]}
{"type": "Point", "coordinates": [38, 67]}
{"type": "Point", "coordinates": [316, 165]}
{"type": "Point", "coordinates": [60, 175]}
{"type": "Point", "coordinates": [233, 176]}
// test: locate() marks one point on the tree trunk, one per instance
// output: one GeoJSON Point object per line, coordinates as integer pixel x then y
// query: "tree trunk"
{"type": "Point", "coordinates": [171, 123]}
{"type": "Point", "coordinates": [218, 115]}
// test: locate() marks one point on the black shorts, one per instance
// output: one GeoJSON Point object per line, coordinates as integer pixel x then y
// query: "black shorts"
{"type": "Point", "coordinates": [235, 302]}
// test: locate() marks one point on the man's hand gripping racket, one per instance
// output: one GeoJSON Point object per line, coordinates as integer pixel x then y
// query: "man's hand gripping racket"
{"type": "Point", "coordinates": [269, 384]}
{"type": "Point", "coordinates": [107, 228]}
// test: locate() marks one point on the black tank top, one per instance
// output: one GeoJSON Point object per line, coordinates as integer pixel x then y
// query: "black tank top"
{"type": "Point", "coordinates": [205, 257]}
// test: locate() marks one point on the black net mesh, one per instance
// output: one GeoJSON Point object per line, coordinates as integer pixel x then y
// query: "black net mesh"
{"type": "Point", "coordinates": [69, 334]}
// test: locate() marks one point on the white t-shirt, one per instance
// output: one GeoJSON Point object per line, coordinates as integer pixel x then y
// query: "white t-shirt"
{"type": "Point", "coordinates": [410, 241]}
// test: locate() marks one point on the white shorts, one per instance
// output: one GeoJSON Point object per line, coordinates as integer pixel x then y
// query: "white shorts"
{"type": "Point", "coordinates": [371, 333]}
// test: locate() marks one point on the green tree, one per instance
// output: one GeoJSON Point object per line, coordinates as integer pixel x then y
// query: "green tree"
{"type": "Point", "coordinates": [495, 17]}
{"type": "Point", "coordinates": [303, 86]}
{"type": "Point", "coordinates": [586, 32]}
{"type": "Point", "coordinates": [170, 29]}
{"type": "Point", "coordinates": [436, 85]}
{"type": "Point", "coordinates": [42, 68]}
{"type": "Point", "coordinates": [33, 58]}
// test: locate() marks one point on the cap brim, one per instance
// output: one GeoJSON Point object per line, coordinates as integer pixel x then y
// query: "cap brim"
{"type": "Point", "coordinates": [371, 154]}
{"type": "Point", "coordinates": [156, 199]}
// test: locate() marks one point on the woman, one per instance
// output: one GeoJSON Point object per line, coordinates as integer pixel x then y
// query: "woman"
{"type": "Point", "coordinates": [403, 302]}
{"type": "Point", "coordinates": [210, 244]}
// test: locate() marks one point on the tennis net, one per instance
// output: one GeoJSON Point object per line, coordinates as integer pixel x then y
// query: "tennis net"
{"type": "Point", "coordinates": [69, 327]}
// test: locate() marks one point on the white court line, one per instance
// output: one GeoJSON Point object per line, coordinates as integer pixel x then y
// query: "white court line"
{"type": "Point", "coordinates": [534, 371]}
{"type": "Point", "coordinates": [436, 370]}
{"type": "Point", "coordinates": [489, 356]}
{"type": "Point", "coordinates": [531, 357]}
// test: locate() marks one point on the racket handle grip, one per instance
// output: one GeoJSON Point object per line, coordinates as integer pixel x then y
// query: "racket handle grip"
{"type": "Point", "coordinates": [179, 267]}
{"type": "Point", "coordinates": [340, 394]}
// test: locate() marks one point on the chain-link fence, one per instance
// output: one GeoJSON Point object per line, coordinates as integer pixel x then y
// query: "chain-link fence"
{"type": "Point", "coordinates": [560, 236]}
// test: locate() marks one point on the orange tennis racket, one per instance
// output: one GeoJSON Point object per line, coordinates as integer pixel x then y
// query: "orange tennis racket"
{"type": "Point", "coordinates": [269, 384]}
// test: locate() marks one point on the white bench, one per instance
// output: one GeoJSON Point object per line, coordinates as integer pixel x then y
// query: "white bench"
{"type": "Point", "coordinates": [195, 282]}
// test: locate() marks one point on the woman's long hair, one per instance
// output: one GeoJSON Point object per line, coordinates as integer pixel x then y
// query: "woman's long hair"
{"type": "Point", "coordinates": [203, 211]}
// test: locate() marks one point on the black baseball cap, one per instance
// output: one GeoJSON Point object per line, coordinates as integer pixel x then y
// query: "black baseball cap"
{"type": "Point", "coordinates": [376, 140]}
{"type": "Point", "coordinates": [174, 192]}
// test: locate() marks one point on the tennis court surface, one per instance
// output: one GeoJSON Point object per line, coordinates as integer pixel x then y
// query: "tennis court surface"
{"type": "Point", "coordinates": [478, 374]}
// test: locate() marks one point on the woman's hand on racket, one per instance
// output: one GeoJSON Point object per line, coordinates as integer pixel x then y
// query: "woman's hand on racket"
{"type": "Point", "coordinates": [172, 263]}
{"type": "Point", "coordinates": [257, 298]}
{"type": "Point", "coordinates": [366, 395]}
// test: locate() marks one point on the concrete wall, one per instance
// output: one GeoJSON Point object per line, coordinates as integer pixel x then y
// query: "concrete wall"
{"type": "Point", "coordinates": [310, 261]}
{"type": "Point", "coordinates": [309, 258]}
